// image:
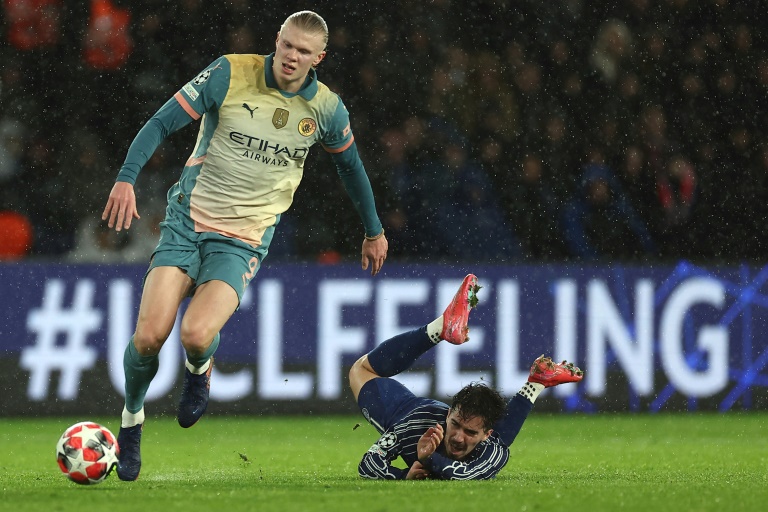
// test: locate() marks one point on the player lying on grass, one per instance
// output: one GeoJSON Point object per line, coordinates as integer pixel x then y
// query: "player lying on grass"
{"type": "Point", "coordinates": [468, 440]}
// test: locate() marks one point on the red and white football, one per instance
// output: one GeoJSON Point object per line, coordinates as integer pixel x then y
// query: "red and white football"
{"type": "Point", "coordinates": [87, 452]}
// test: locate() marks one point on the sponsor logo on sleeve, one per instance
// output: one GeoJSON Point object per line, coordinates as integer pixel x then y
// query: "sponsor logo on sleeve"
{"type": "Point", "coordinates": [377, 450]}
{"type": "Point", "coordinates": [191, 92]}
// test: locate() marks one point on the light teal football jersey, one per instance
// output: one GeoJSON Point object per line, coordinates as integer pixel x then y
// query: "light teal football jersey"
{"type": "Point", "coordinates": [253, 140]}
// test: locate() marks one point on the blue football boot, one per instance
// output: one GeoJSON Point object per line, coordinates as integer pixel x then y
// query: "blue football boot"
{"type": "Point", "coordinates": [129, 463]}
{"type": "Point", "coordinates": [194, 396]}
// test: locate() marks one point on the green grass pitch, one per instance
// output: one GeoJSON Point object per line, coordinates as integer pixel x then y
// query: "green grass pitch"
{"type": "Point", "coordinates": [616, 462]}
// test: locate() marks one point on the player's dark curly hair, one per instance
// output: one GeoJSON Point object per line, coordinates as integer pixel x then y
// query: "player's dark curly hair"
{"type": "Point", "coordinates": [478, 400]}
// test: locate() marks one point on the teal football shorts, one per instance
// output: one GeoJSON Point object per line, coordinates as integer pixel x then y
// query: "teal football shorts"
{"type": "Point", "coordinates": [207, 256]}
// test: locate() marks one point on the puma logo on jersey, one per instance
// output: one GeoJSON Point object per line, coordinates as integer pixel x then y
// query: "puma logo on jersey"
{"type": "Point", "coordinates": [249, 109]}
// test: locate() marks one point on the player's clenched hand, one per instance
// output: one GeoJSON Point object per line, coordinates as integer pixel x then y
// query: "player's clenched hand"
{"type": "Point", "coordinates": [417, 472]}
{"type": "Point", "coordinates": [429, 442]}
{"type": "Point", "coordinates": [375, 252]}
{"type": "Point", "coordinates": [121, 206]}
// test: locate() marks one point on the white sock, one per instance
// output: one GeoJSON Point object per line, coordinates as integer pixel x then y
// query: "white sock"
{"type": "Point", "coordinates": [131, 419]}
{"type": "Point", "coordinates": [197, 371]}
{"type": "Point", "coordinates": [434, 329]}
{"type": "Point", "coordinates": [531, 390]}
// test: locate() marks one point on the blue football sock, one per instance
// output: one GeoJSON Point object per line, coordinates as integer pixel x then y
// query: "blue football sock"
{"type": "Point", "coordinates": [139, 372]}
{"type": "Point", "coordinates": [397, 354]}
{"type": "Point", "coordinates": [518, 409]}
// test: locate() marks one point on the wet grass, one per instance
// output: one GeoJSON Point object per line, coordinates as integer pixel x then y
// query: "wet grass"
{"type": "Point", "coordinates": [559, 462]}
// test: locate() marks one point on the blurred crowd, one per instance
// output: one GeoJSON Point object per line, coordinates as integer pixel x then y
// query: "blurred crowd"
{"type": "Point", "coordinates": [492, 131]}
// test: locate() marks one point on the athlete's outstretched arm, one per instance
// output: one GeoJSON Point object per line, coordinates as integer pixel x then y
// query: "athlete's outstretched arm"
{"type": "Point", "coordinates": [358, 187]}
{"type": "Point", "coordinates": [121, 204]}
{"type": "Point", "coordinates": [340, 143]}
{"type": "Point", "coordinates": [171, 117]}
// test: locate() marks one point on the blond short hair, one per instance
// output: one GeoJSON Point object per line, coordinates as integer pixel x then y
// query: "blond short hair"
{"type": "Point", "coordinates": [310, 22]}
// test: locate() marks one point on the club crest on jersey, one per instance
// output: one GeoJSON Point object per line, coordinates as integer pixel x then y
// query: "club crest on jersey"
{"type": "Point", "coordinates": [280, 118]}
{"type": "Point", "coordinates": [307, 126]}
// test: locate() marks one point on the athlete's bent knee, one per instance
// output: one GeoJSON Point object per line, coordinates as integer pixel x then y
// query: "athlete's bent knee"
{"type": "Point", "coordinates": [196, 340]}
{"type": "Point", "coordinates": [360, 373]}
{"type": "Point", "coordinates": [358, 368]}
{"type": "Point", "coordinates": [148, 342]}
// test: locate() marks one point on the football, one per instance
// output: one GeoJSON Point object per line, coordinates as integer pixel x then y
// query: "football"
{"type": "Point", "coordinates": [87, 452]}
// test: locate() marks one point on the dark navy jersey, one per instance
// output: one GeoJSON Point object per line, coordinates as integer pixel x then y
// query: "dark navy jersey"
{"type": "Point", "coordinates": [400, 440]}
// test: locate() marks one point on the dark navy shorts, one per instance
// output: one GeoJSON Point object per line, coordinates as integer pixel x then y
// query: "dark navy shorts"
{"type": "Point", "coordinates": [385, 401]}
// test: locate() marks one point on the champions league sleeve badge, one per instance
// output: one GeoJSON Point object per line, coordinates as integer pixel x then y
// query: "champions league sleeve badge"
{"type": "Point", "coordinates": [205, 75]}
{"type": "Point", "coordinates": [202, 77]}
